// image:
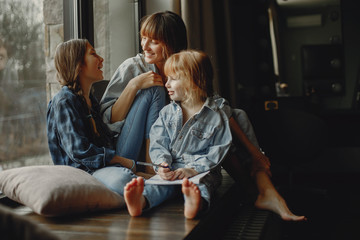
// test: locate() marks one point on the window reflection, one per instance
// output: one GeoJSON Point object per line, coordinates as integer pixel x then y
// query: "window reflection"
{"type": "Point", "coordinates": [22, 84]}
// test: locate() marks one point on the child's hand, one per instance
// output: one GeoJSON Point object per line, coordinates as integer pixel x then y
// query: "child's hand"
{"type": "Point", "coordinates": [182, 173]}
{"type": "Point", "coordinates": [165, 173]}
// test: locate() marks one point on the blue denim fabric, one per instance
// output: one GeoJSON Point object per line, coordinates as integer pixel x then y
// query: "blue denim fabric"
{"type": "Point", "coordinates": [129, 69]}
{"type": "Point", "coordinates": [143, 113]}
{"type": "Point", "coordinates": [157, 194]}
{"type": "Point", "coordinates": [114, 177]}
{"type": "Point", "coordinates": [201, 143]}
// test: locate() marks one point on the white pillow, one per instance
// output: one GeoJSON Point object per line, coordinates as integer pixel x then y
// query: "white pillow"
{"type": "Point", "coordinates": [54, 190]}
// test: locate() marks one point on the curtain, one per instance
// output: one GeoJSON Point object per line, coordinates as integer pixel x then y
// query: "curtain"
{"type": "Point", "coordinates": [208, 27]}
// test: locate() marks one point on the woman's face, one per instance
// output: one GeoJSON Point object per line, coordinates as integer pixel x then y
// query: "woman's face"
{"type": "Point", "coordinates": [91, 69]}
{"type": "Point", "coordinates": [153, 50]}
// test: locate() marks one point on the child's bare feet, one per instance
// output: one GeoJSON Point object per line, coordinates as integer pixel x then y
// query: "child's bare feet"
{"type": "Point", "coordinates": [271, 200]}
{"type": "Point", "coordinates": [192, 199]}
{"type": "Point", "coordinates": [134, 199]}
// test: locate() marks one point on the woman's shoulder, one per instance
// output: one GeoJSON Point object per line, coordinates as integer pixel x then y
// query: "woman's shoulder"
{"type": "Point", "coordinates": [65, 96]}
{"type": "Point", "coordinates": [137, 63]}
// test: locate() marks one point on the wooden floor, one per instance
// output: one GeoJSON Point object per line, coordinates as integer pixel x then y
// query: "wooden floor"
{"type": "Point", "coordinates": [164, 222]}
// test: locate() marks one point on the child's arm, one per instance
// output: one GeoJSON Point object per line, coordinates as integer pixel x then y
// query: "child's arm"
{"type": "Point", "coordinates": [159, 143]}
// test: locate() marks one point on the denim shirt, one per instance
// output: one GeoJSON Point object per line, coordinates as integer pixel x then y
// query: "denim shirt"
{"type": "Point", "coordinates": [201, 143]}
{"type": "Point", "coordinates": [70, 138]}
{"type": "Point", "coordinates": [129, 69]}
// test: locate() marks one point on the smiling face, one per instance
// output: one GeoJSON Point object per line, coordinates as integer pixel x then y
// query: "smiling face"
{"type": "Point", "coordinates": [177, 88]}
{"type": "Point", "coordinates": [91, 68]}
{"type": "Point", "coordinates": [153, 50]}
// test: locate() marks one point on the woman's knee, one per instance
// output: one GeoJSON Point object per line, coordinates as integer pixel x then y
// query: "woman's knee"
{"type": "Point", "coordinates": [114, 178]}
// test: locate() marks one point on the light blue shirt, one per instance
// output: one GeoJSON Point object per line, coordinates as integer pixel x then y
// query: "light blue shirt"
{"type": "Point", "coordinates": [129, 69]}
{"type": "Point", "coordinates": [201, 143]}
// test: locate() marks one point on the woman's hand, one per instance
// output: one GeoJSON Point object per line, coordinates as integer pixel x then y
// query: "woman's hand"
{"type": "Point", "coordinates": [146, 80]}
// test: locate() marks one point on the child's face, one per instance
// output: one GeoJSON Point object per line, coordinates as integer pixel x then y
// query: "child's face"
{"type": "Point", "coordinates": [176, 88]}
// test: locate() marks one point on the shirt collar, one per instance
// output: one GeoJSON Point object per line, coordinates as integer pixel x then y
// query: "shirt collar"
{"type": "Point", "coordinates": [209, 104]}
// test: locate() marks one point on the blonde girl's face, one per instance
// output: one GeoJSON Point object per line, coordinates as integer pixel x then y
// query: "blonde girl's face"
{"type": "Point", "coordinates": [93, 63]}
{"type": "Point", "coordinates": [153, 50]}
{"type": "Point", "coordinates": [176, 88]}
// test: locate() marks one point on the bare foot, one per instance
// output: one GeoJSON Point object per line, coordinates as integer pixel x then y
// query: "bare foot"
{"type": "Point", "coordinates": [134, 199]}
{"type": "Point", "coordinates": [192, 198]}
{"type": "Point", "coordinates": [271, 200]}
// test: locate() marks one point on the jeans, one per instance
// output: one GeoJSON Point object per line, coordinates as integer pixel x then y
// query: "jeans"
{"type": "Point", "coordinates": [142, 114]}
{"type": "Point", "coordinates": [114, 177]}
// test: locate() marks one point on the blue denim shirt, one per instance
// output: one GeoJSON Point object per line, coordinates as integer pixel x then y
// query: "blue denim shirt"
{"type": "Point", "coordinates": [129, 69]}
{"type": "Point", "coordinates": [70, 137]}
{"type": "Point", "coordinates": [201, 143]}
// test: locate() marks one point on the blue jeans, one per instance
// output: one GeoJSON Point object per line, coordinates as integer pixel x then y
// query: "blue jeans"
{"type": "Point", "coordinates": [114, 177]}
{"type": "Point", "coordinates": [142, 115]}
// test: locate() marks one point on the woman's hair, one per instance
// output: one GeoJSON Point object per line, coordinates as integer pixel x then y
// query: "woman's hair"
{"type": "Point", "coordinates": [166, 27]}
{"type": "Point", "coordinates": [195, 68]}
{"type": "Point", "coordinates": [69, 57]}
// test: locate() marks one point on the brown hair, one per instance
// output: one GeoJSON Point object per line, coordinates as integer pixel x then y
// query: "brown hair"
{"type": "Point", "coordinates": [69, 57]}
{"type": "Point", "coordinates": [194, 67]}
{"type": "Point", "coordinates": [166, 27]}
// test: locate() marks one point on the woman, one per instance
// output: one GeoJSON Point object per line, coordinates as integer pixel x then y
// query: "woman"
{"type": "Point", "coordinates": [76, 134]}
{"type": "Point", "coordinates": [129, 109]}
{"type": "Point", "coordinates": [135, 94]}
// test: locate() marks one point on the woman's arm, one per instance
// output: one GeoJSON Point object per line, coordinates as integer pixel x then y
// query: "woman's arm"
{"type": "Point", "coordinates": [259, 159]}
{"type": "Point", "coordinates": [123, 104]}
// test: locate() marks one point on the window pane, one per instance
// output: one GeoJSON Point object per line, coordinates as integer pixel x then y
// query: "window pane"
{"type": "Point", "coordinates": [22, 84]}
{"type": "Point", "coordinates": [115, 31]}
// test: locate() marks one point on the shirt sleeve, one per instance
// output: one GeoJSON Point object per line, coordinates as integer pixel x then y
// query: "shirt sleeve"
{"type": "Point", "coordinates": [129, 69]}
{"type": "Point", "coordinates": [114, 89]}
{"type": "Point", "coordinates": [73, 138]}
{"type": "Point", "coordinates": [159, 143]}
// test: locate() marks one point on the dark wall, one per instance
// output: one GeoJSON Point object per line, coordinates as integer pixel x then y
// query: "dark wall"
{"type": "Point", "coordinates": [325, 133]}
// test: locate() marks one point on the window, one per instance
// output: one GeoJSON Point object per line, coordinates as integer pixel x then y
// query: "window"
{"type": "Point", "coordinates": [22, 84]}
{"type": "Point", "coordinates": [116, 31]}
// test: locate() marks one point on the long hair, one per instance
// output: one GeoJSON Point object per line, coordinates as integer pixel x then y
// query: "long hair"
{"type": "Point", "coordinates": [195, 68]}
{"type": "Point", "coordinates": [69, 57]}
{"type": "Point", "coordinates": [166, 27]}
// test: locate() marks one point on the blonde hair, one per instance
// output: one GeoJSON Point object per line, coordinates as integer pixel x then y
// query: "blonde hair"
{"type": "Point", "coordinates": [195, 68]}
{"type": "Point", "coordinates": [168, 28]}
{"type": "Point", "coordinates": [69, 57]}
